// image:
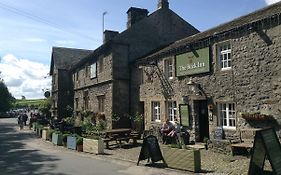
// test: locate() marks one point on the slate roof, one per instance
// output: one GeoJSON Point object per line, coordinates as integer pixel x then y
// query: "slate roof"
{"type": "Point", "coordinates": [236, 23]}
{"type": "Point", "coordinates": [124, 37]}
{"type": "Point", "coordinates": [64, 58]}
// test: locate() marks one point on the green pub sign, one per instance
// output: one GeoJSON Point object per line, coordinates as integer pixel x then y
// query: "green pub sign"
{"type": "Point", "coordinates": [194, 62]}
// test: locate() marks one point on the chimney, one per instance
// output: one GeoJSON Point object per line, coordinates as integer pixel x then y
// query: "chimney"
{"type": "Point", "coordinates": [109, 35]}
{"type": "Point", "coordinates": [135, 15]}
{"type": "Point", "coordinates": [163, 4]}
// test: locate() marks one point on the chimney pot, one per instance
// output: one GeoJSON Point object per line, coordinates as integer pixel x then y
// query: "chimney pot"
{"type": "Point", "coordinates": [109, 35]}
{"type": "Point", "coordinates": [163, 4]}
{"type": "Point", "coordinates": [135, 15]}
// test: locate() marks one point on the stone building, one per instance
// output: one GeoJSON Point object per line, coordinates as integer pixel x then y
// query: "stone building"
{"type": "Point", "coordinates": [102, 79]}
{"type": "Point", "coordinates": [62, 90]}
{"type": "Point", "coordinates": [228, 77]}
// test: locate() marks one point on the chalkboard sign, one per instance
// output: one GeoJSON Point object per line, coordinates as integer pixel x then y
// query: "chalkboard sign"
{"type": "Point", "coordinates": [184, 115]}
{"type": "Point", "coordinates": [219, 133]}
{"type": "Point", "coordinates": [266, 144]}
{"type": "Point", "coordinates": [150, 149]}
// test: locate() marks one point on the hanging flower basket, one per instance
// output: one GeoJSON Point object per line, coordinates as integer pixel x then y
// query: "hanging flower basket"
{"type": "Point", "coordinates": [256, 117]}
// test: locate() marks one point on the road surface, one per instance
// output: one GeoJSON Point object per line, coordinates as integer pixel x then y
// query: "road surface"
{"type": "Point", "coordinates": [22, 153]}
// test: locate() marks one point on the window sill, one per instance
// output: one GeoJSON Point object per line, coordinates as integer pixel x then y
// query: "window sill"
{"type": "Point", "coordinates": [226, 69]}
{"type": "Point", "coordinates": [229, 128]}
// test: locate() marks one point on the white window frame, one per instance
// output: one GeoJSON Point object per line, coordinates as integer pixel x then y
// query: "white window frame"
{"type": "Point", "coordinates": [224, 56]}
{"type": "Point", "coordinates": [155, 111]}
{"type": "Point", "coordinates": [172, 110]}
{"type": "Point", "coordinates": [93, 70]}
{"type": "Point", "coordinates": [227, 115]}
{"type": "Point", "coordinates": [169, 68]}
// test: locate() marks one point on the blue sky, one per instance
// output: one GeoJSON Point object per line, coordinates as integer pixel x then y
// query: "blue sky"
{"type": "Point", "coordinates": [30, 28]}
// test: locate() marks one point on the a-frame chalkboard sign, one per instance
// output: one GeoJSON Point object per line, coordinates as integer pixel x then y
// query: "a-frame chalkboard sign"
{"type": "Point", "coordinates": [266, 144]}
{"type": "Point", "coordinates": [150, 150]}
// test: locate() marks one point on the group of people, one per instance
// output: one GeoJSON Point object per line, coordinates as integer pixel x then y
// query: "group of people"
{"type": "Point", "coordinates": [170, 130]}
{"type": "Point", "coordinates": [22, 119]}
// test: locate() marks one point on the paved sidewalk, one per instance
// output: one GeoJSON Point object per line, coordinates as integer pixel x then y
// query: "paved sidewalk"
{"type": "Point", "coordinates": [211, 162]}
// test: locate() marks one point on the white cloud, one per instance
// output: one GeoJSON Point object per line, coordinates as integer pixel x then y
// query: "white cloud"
{"type": "Point", "coordinates": [65, 42]}
{"type": "Point", "coordinates": [269, 2]}
{"type": "Point", "coordinates": [35, 40]}
{"type": "Point", "coordinates": [24, 77]}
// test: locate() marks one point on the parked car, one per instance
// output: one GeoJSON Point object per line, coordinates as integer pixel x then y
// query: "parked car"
{"type": "Point", "coordinates": [4, 115]}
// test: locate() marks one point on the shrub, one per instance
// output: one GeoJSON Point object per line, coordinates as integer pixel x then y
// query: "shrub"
{"type": "Point", "coordinates": [64, 137]}
{"type": "Point", "coordinates": [79, 140]}
{"type": "Point", "coordinates": [50, 133]}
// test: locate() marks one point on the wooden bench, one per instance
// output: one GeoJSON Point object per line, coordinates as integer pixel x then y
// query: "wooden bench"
{"type": "Point", "coordinates": [106, 141]}
{"type": "Point", "coordinates": [243, 142]}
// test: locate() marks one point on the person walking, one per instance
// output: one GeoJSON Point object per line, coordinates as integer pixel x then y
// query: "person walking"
{"type": "Point", "coordinates": [21, 121]}
{"type": "Point", "coordinates": [25, 118]}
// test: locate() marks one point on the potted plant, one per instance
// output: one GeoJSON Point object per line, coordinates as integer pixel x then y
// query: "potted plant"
{"type": "Point", "coordinates": [57, 138]}
{"type": "Point", "coordinates": [49, 134]}
{"type": "Point", "coordinates": [45, 133]}
{"type": "Point", "coordinates": [72, 141]}
{"type": "Point", "coordinates": [94, 145]}
{"type": "Point", "coordinates": [182, 159]}
{"type": "Point", "coordinates": [79, 144]}
{"type": "Point", "coordinates": [64, 139]}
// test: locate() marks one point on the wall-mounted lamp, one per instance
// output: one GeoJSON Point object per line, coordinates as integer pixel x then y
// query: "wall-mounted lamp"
{"type": "Point", "coordinates": [193, 86]}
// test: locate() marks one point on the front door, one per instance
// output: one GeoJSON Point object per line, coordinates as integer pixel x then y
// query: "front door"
{"type": "Point", "coordinates": [201, 109]}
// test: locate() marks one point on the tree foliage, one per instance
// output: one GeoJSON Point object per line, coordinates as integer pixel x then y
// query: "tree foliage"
{"type": "Point", "coordinates": [6, 99]}
{"type": "Point", "coordinates": [45, 107]}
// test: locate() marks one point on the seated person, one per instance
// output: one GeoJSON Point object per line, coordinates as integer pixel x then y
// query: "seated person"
{"type": "Point", "coordinates": [176, 129]}
{"type": "Point", "coordinates": [166, 129]}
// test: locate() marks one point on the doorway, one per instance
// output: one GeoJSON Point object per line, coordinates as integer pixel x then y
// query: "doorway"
{"type": "Point", "coordinates": [201, 109]}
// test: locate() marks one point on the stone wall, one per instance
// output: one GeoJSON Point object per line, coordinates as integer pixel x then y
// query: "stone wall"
{"type": "Point", "coordinates": [253, 83]}
{"type": "Point", "coordinates": [84, 79]}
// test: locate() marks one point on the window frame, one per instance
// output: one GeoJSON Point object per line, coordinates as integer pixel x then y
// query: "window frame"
{"type": "Point", "coordinates": [101, 104]}
{"type": "Point", "coordinates": [224, 52]}
{"type": "Point", "coordinates": [169, 68]}
{"type": "Point", "coordinates": [101, 68]}
{"type": "Point", "coordinates": [86, 99]}
{"type": "Point", "coordinates": [227, 113]}
{"type": "Point", "coordinates": [172, 110]}
{"type": "Point", "coordinates": [76, 103]}
{"type": "Point", "coordinates": [155, 111]}
{"type": "Point", "coordinates": [93, 70]}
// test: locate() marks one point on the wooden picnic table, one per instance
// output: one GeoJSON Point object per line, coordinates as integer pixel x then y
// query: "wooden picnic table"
{"type": "Point", "coordinates": [117, 135]}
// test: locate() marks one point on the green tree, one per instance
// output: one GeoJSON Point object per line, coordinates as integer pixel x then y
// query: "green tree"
{"type": "Point", "coordinates": [6, 98]}
{"type": "Point", "coordinates": [45, 107]}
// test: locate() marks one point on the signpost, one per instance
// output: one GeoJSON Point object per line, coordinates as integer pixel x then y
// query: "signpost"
{"type": "Point", "coordinates": [266, 145]}
{"type": "Point", "coordinates": [194, 62]}
{"type": "Point", "coordinates": [150, 149]}
{"type": "Point", "coordinates": [184, 115]}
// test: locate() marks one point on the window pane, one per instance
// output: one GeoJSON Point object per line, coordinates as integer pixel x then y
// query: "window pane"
{"type": "Point", "coordinates": [94, 70]}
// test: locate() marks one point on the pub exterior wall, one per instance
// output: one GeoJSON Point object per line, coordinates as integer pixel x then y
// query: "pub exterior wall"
{"type": "Point", "coordinates": [253, 83]}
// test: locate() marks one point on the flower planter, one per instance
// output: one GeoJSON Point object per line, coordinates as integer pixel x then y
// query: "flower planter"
{"type": "Point", "coordinates": [79, 148]}
{"type": "Point", "coordinates": [57, 139]}
{"type": "Point", "coordinates": [93, 146]}
{"type": "Point", "coordinates": [44, 134]}
{"type": "Point", "coordinates": [183, 159]}
{"type": "Point", "coordinates": [257, 117]}
{"type": "Point", "coordinates": [71, 142]}
{"type": "Point", "coordinates": [39, 132]}
{"type": "Point", "coordinates": [34, 126]}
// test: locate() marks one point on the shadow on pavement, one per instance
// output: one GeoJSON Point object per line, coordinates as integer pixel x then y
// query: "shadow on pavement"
{"type": "Point", "coordinates": [17, 159]}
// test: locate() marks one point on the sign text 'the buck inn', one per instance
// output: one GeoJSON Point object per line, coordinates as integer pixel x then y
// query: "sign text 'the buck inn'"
{"type": "Point", "coordinates": [194, 62]}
